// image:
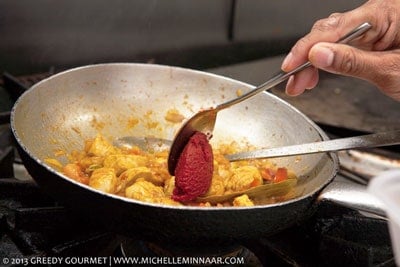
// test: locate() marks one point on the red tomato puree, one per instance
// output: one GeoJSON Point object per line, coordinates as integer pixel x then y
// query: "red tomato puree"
{"type": "Point", "coordinates": [194, 169]}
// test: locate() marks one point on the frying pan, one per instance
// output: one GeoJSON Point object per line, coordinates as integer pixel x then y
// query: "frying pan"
{"type": "Point", "coordinates": [59, 113]}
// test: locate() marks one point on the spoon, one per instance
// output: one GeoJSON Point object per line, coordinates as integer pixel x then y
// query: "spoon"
{"type": "Point", "coordinates": [204, 121]}
{"type": "Point", "coordinates": [144, 143]}
{"type": "Point", "coordinates": [363, 141]}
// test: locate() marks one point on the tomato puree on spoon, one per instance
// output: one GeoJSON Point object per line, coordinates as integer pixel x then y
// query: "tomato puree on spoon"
{"type": "Point", "coordinates": [194, 169]}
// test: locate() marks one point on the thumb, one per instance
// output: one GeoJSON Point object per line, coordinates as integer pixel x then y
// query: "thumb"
{"type": "Point", "coordinates": [343, 59]}
{"type": "Point", "coordinates": [381, 68]}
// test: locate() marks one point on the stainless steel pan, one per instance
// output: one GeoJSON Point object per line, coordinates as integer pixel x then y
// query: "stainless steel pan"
{"type": "Point", "coordinates": [61, 112]}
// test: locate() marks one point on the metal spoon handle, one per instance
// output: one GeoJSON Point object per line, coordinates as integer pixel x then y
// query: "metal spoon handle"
{"type": "Point", "coordinates": [363, 141]}
{"type": "Point", "coordinates": [282, 76]}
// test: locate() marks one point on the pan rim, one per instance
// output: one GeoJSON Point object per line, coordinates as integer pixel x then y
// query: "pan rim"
{"type": "Point", "coordinates": [332, 155]}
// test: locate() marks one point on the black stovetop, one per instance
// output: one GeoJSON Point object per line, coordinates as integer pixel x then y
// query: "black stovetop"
{"type": "Point", "coordinates": [33, 225]}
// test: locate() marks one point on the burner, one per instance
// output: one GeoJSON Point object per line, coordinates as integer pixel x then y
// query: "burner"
{"type": "Point", "coordinates": [357, 240]}
{"type": "Point", "coordinates": [348, 238]}
{"type": "Point", "coordinates": [33, 225]}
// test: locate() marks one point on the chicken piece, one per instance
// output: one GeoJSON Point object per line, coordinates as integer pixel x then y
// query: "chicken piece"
{"type": "Point", "coordinates": [76, 156]}
{"type": "Point", "coordinates": [223, 172]}
{"type": "Point", "coordinates": [220, 160]}
{"type": "Point", "coordinates": [206, 204]}
{"type": "Point", "coordinates": [157, 162]}
{"type": "Point", "coordinates": [121, 162]}
{"type": "Point", "coordinates": [145, 191]}
{"type": "Point", "coordinates": [217, 186]}
{"type": "Point", "coordinates": [104, 179]}
{"type": "Point", "coordinates": [100, 147]}
{"type": "Point", "coordinates": [91, 163]}
{"type": "Point", "coordinates": [74, 171]}
{"type": "Point", "coordinates": [169, 186]}
{"type": "Point", "coordinates": [168, 201]}
{"type": "Point", "coordinates": [243, 178]}
{"type": "Point", "coordinates": [226, 149]}
{"type": "Point", "coordinates": [242, 201]}
{"type": "Point", "coordinates": [128, 177]}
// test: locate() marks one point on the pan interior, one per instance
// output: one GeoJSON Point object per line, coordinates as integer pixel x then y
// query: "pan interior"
{"type": "Point", "coordinates": [118, 100]}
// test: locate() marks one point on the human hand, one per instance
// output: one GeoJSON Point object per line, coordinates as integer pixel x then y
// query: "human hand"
{"type": "Point", "coordinates": [374, 57]}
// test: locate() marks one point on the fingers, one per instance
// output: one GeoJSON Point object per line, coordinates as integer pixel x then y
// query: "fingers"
{"type": "Point", "coordinates": [381, 36]}
{"type": "Point", "coordinates": [332, 29]}
{"type": "Point", "coordinates": [329, 30]}
{"type": "Point", "coordinates": [322, 30]}
{"type": "Point", "coordinates": [379, 68]}
{"type": "Point", "coordinates": [342, 59]}
{"type": "Point", "coordinates": [297, 84]}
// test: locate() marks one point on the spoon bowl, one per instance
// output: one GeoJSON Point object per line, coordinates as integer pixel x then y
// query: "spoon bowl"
{"type": "Point", "coordinates": [203, 121]}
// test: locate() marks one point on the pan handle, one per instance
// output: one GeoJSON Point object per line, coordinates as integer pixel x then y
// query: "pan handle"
{"type": "Point", "coordinates": [352, 195]}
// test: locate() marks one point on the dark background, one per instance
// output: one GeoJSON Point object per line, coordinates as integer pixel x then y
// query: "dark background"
{"type": "Point", "coordinates": [243, 39]}
{"type": "Point", "coordinates": [198, 34]}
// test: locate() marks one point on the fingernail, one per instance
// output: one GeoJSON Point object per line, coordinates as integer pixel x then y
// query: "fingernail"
{"type": "Point", "coordinates": [286, 61]}
{"type": "Point", "coordinates": [321, 56]}
{"type": "Point", "coordinates": [289, 86]}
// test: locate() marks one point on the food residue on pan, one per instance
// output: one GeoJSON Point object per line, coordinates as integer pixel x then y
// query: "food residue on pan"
{"type": "Point", "coordinates": [76, 129]}
{"type": "Point", "coordinates": [132, 122]}
{"type": "Point", "coordinates": [149, 122]}
{"type": "Point", "coordinates": [173, 115]}
{"type": "Point", "coordinates": [239, 92]}
{"type": "Point", "coordinates": [96, 124]}
{"type": "Point", "coordinates": [59, 152]}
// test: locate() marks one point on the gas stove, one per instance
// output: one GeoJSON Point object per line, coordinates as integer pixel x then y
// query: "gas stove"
{"type": "Point", "coordinates": [36, 229]}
